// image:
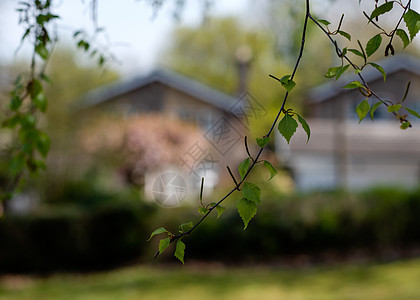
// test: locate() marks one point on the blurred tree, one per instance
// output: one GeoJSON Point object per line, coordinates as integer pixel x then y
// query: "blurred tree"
{"type": "Point", "coordinates": [70, 77]}
{"type": "Point", "coordinates": [211, 53]}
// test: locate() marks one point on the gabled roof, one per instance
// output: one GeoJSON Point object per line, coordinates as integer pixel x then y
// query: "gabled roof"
{"type": "Point", "coordinates": [169, 78]}
{"type": "Point", "coordinates": [390, 65]}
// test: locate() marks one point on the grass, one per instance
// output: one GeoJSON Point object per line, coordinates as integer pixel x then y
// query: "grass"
{"type": "Point", "coordinates": [397, 280]}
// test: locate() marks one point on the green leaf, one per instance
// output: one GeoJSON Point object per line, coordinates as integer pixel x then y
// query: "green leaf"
{"type": "Point", "coordinates": [251, 192]}
{"type": "Point", "coordinates": [163, 244]}
{"type": "Point", "coordinates": [180, 250]}
{"type": "Point", "coordinates": [43, 143]}
{"type": "Point", "coordinates": [12, 121]}
{"type": "Point", "coordinates": [83, 44]}
{"type": "Point", "coordinates": [42, 51]}
{"type": "Point", "coordinates": [41, 102]}
{"type": "Point", "coordinates": [77, 32]}
{"type": "Point", "coordinates": [287, 83]}
{"type": "Point", "coordinates": [101, 60]}
{"type": "Point", "coordinates": [325, 22]}
{"type": "Point", "coordinates": [263, 142]}
{"type": "Point", "coordinates": [394, 108]}
{"type": "Point", "coordinates": [185, 226]}
{"type": "Point", "coordinates": [380, 10]}
{"type": "Point", "coordinates": [15, 103]}
{"type": "Point", "coordinates": [353, 85]}
{"type": "Point", "coordinates": [220, 209]}
{"type": "Point", "coordinates": [379, 68]}
{"type": "Point", "coordinates": [412, 21]}
{"type": "Point", "coordinates": [336, 71]}
{"type": "Point", "coordinates": [247, 210]}
{"type": "Point", "coordinates": [158, 231]}
{"type": "Point", "coordinates": [362, 109]}
{"type": "Point", "coordinates": [345, 34]}
{"type": "Point", "coordinates": [373, 109]}
{"type": "Point", "coordinates": [35, 88]}
{"type": "Point", "coordinates": [17, 164]}
{"type": "Point", "coordinates": [305, 127]}
{"type": "Point", "coordinates": [356, 52]}
{"type": "Point", "coordinates": [332, 72]}
{"type": "Point", "coordinates": [244, 166]}
{"type": "Point", "coordinates": [287, 127]}
{"type": "Point", "coordinates": [202, 210]}
{"type": "Point", "coordinates": [403, 36]}
{"type": "Point", "coordinates": [373, 44]}
{"type": "Point", "coordinates": [341, 71]}
{"type": "Point", "coordinates": [412, 112]}
{"type": "Point", "coordinates": [405, 125]}
{"type": "Point", "coordinates": [270, 168]}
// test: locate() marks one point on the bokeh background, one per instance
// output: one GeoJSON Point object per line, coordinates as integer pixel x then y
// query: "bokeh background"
{"type": "Point", "coordinates": [183, 82]}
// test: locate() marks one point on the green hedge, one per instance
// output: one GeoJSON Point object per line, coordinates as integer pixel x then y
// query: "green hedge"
{"type": "Point", "coordinates": [113, 232]}
{"type": "Point", "coordinates": [72, 239]}
{"type": "Point", "coordinates": [311, 224]}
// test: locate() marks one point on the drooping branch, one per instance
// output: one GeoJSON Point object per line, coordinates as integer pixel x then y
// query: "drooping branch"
{"type": "Point", "coordinates": [177, 237]}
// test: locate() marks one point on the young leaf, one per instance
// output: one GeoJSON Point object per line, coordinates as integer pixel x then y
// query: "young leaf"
{"type": "Point", "coordinates": [325, 22]}
{"type": "Point", "coordinates": [180, 250]}
{"type": "Point", "coordinates": [287, 127]}
{"type": "Point", "coordinates": [43, 143]}
{"type": "Point", "coordinates": [362, 109]}
{"type": "Point", "coordinates": [412, 112]}
{"type": "Point", "coordinates": [202, 210]}
{"type": "Point", "coordinates": [251, 192]}
{"type": "Point", "coordinates": [373, 44]}
{"type": "Point", "coordinates": [373, 109]}
{"type": "Point", "coordinates": [244, 166]}
{"type": "Point", "coordinates": [412, 21]}
{"type": "Point", "coordinates": [15, 103]}
{"type": "Point", "coordinates": [263, 142]}
{"type": "Point", "coordinates": [356, 52]}
{"type": "Point", "coordinates": [403, 36]}
{"type": "Point", "coordinates": [305, 127]}
{"type": "Point", "coordinates": [220, 209]}
{"type": "Point", "coordinates": [380, 10]}
{"type": "Point", "coordinates": [287, 83]}
{"type": "Point", "coordinates": [247, 210]}
{"type": "Point", "coordinates": [345, 34]}
{"type": "Point", "coordinates": [394, 108]}
{"type": "Point", "coordinates": [40, 102]}
{"type": "Point", "coordinates": [158, 231]}
{"type": "Point", "coordinates": [341, 71]}
{"type": "Point", "coordinates": [332, 72]}
{"type": "Point", "coordinates": [42, 51]}
{"type": "Point", "coordinates": [163, 244]}
{"type": "Point", "coordinates": [380, 69]}
{"type": "Point", "coordinates": [270, 168]}
{"type": "Point", "coordinates": [353, 85]}
{"type": "Point", "coordinates": [185, 226]}
{"type": "Point", "coordinates": [405, 125]}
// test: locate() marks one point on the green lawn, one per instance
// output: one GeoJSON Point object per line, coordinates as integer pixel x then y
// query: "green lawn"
{"type": "Point", "coordinates": [398, 280]}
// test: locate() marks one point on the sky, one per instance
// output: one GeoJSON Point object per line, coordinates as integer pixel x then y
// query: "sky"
{"type": "Point", "coordinates": [134, 33]}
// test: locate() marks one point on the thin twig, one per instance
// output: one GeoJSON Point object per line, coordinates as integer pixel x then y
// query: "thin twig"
{"type": "Point", "coordinates": [307, 16]}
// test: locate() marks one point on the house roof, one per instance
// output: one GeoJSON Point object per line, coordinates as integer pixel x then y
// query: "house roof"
{"type": "Point", "coordinates": [166, 77]}
{"type": "Point", "coordinates": [390, 65]}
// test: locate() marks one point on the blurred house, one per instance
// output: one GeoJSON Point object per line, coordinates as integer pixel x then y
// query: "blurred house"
{"type": "Point", "coordinates": [164, 92]}
{"type": "Point", "coordinates": [343, 153]}
{"type": "Point", "coordinates": [222, 119]}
